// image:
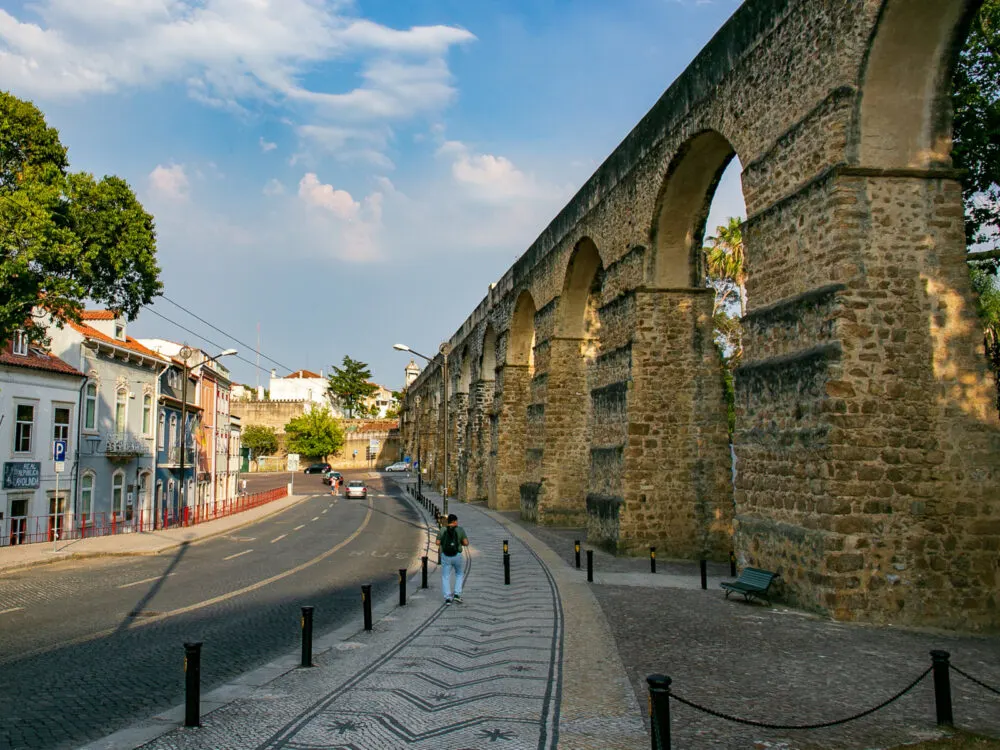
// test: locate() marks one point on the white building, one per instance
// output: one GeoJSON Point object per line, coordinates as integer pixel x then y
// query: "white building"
{"type": "Point", "coordinates": [303, 385]}
{"type": "Point", "coordinates": [382, 400]}
{"type": "Point", "coordinates": [39, 404]}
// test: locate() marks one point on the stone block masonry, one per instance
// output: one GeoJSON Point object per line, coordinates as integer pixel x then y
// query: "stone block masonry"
{"type": "Point", "coordinates": [867, 443]}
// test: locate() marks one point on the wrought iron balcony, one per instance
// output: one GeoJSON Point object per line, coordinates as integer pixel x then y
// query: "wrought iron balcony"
{"type": "Point", "coordinates": [125, 445]}
{"type": "Point", "coordinates": [174, 455]}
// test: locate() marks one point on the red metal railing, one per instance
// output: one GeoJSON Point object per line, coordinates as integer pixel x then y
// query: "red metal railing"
{"type": "Point", "coordinates": [33, 529]}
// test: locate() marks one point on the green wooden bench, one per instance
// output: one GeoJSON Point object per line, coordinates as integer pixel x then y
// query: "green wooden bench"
{"type": "Point", "coordinates": [753, 583]}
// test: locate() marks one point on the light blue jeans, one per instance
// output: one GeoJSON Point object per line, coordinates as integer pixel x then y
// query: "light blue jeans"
{"type": "Point", "coordinates": [448, 564]}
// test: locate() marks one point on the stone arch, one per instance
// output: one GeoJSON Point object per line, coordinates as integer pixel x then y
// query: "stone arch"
{"type": "Point", "coordinates": [488, 354]}
{"type": "Point", "coordinates": [682, 208]}
{"type": "Point", "coordinates": [514, 404]}
{"type": "Point", "coordinates": [464, 372]}
{"type": "Point", "coordinates": [905, 118]}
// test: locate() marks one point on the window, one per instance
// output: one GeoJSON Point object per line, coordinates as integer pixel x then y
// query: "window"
{"type": "Point", "coordinates": [60, 424]}
{"type": "Point", "coordinates": [87, 495]}
{"type": "Point", "coordinates": [118, 493]}
{"type": "Point", "coordinates": [120, 331]}
{"type": "Point", "coordinates": [121, 409]}
{"type": "Point", "coordinates": [24, 424]}
{"type": "Point", "coordinates": [173, 442]}
{"type": "Point", "coordinates": [90, 407]}
{"type": "Point", "coordinates": [21, 343]}
{"type": "Point", "coordinates": [162, 437]}
{"type": "Point", "coordinates": [147, 413]}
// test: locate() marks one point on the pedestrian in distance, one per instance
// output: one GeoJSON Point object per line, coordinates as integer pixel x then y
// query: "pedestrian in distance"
{"type": "Point", "coordinates": [450, 541]}
{"type": "Point", "coordinates": [333, 485]}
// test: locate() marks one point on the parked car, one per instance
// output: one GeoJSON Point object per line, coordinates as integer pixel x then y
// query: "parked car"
{"type": "Point", "coordinates": [398, 466]}
{"type": "Point", "coordinates": [330, 476]}
{"type": "Point", "coordinates": [317, 468]}
{"type": "Point", "coordinates": [356, 488]}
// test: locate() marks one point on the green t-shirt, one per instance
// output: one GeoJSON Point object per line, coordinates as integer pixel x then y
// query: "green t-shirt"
{"type": "Point", "coordinates": [459, 531]}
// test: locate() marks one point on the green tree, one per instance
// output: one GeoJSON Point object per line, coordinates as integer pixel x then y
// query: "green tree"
{"type": "Point", "coordinates": [65, 238]}
{"type": "Point", "coordinates": [726, 270]}
{"type": "Point", "coordinates": [976, 125]}
{"type": "Point", "coordinates": [350, 386]}
{"type": "Point", "coordinates": [260, 440]}
{"type": "Point", "coordinates": [315, 434]}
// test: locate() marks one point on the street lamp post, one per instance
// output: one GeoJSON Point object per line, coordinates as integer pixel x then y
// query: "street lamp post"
{"type": "Point", "coordinates": [445, 350]}
{"type": "Point", "coordinates": [185, 355]}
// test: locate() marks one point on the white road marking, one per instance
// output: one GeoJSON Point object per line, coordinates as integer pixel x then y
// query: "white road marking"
{"type": "Point", "coordinates": [326, 510]}
{"type": "Point", "coordinates": [278, 538]}
{"type": "Point", "coordinates": [145, 580]}
{"type": "Point", "coordinates": [299, 527]}
{"type": "Point", "coordinates": [316, 518]}
{"type": "Point", "coordinates": [238, 554]}
{"type": "Point", "coordinates": [12, 609]}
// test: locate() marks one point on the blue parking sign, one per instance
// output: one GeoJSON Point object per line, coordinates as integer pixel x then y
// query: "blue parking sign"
{"type": "Point", "coordinates": [58, 450]}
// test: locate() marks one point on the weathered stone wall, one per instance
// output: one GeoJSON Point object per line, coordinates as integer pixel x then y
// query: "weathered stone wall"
{"type": "Point", "coordinates": [866, 442]}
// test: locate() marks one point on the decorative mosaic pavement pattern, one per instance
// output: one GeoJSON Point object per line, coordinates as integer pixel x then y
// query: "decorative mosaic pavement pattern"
{"type": "Point", "coordinates": [483, 673]}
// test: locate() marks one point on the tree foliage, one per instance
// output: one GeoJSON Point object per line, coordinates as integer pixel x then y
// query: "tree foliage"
{"type": "Point", "coordinates": [315, 434]}
{"type": "Point", "coordinates": [65, 238]}
{"type": "Point", "coordinates": [260, 440]}
{"type": "Point", "coordinates": [726, 270]}
{"type": "Point", "coordinates": [976, 125]}
{"type": "Point", "coordinates": [350, 386]}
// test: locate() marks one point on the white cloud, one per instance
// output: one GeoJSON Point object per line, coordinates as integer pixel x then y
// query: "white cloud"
{"type": "Point", "coordinates": [274, 187]}
{"type": "Point", "coordinates": [494, 179]}
{"type": "Point", "coordinates": [266, 146]}
{"type": "Point", "coordinates": [338, 202]}
{"type": "Point", "coordinates": [231, 54]}
{"type": "Point", "coordinates": [169, 182]}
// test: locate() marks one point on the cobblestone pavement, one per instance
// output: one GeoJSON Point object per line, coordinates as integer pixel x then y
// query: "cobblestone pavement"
{"type": "Point", "coordinates": [59, 690]}
{"type": "Point", "coordinates": [469, 675]}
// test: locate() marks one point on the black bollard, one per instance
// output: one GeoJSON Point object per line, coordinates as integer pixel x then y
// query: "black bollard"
{"type": "Point", "coordinates": [576, 548]}
{"type": "Point", "coordinates": [505, 546]}
{"type": "Point", "coordinates": [732, 563]}
{"type": "Point", "coordinates": [704, 573]}
{"type": "Point", "coordinates": [366, 603]}
{"type": "Point", "coordinates": [307, 636]}
{"type": "Point", "coordinates": [506, 569]}
{"type": "Point", "coordinates": [942, 687]}
{"type": "Point", "coordinates": [590, 566]}
{"type": "Point", "coordinates": [402, 587]}
{"type": "Point", "coordinates": [652, 559]}
{"type": "Point", "coordinates": [192, 684]}
{"type": "Point", "coordinates": [659, 711]}
{"type": "Point", "coordinates": [423, 572]}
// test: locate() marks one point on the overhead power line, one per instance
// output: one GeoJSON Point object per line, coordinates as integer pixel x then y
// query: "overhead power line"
{"type": "Point", "coordinates": [202, 338]}
{"type": "Point", "coordinates": [249, 347]}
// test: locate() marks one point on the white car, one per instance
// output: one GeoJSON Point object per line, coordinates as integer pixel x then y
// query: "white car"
{"type": "Point", "coordinates": [398, 466]}
{"type": "Point", "coordinates": [356, 488]}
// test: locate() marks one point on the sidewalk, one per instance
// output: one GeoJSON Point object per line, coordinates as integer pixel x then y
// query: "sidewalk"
{"type": "Point", "coordinates": [135, 543]}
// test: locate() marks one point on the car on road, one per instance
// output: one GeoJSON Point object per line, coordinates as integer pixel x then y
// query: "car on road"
{"type": "Point", "coordinates": [398, 466]}
{"type": "Point", "coordinates": [330, 476]}
{"type": "Point", "coordinates": [356, 488]}
{"type": "Point", "coordinates": [317, 468]}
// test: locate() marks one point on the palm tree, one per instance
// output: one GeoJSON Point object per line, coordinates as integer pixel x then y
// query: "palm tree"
{"type": "Point", "coordinates": [726, 270]}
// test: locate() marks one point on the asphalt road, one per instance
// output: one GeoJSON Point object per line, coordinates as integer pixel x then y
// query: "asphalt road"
{"type": "Point", "coordinates": [93, 645]}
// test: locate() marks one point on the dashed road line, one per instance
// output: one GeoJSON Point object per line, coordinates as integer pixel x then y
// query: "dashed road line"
{"type": "Point", "coordinates": [238, 554]}
{"type": "Point", "coordinates": [316, 518]}
{"type": "Point", "coordinates": [299, 527]}
{"type": "Point", "coordinates": [12, 609]}
{"type": "Point", "coordinates": [326, 510]}
{"type": "Point", "coordinates": [278, 538]}
{"type": "Point", "coordinates": [144, 580]}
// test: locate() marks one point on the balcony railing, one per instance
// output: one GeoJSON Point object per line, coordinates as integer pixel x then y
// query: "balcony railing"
{"type": "Point", "coordinates": [174, 455]}
{"type": "Point", "coordinates": [124, 445]}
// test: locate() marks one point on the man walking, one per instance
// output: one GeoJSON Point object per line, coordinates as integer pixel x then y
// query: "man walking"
{"type": "Point", "coordinates": [450, 541]}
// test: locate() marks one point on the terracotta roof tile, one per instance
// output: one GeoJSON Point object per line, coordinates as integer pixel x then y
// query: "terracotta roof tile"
{"type": "Point", "coordinates": [97, 315]}
{"type": "Point", "coordinates": [304, 374]}
{"type": "Point", "coordinates": [36, 359]}
{"type": "Point", "coordinates": [129, 342]}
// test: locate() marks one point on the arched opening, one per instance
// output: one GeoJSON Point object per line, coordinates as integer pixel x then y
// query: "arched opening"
{"type": "Point", "coordinates": [488, 358]}
{"type": "Point", "coordinates": [516, 411]}
{"type": "Point", "coordinates": [458, 432]}
{"type": "Point", "coordinates": [683, 208]}
{"type": "Point", "coordinates": [573, 394]}
{"type": "Point", "coordinates": [905, 108]}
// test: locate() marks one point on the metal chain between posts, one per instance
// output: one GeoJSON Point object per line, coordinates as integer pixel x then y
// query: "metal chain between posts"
{"type": "Point", "coordinates": [821, 725]}
{"type": "Point", "coordinates": [973, 679]}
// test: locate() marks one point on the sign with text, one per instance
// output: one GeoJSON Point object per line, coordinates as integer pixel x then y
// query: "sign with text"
{"type": "Point", "coordinates": [22, 475]}
{"type": "Point", "coordinates": [59, 450]}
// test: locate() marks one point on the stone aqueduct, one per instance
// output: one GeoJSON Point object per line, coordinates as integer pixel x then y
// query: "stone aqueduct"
{"type": "Point", "coordinates": [585, 388]}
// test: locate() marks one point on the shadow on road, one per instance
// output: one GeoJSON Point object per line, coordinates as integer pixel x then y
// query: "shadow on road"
{"type": "Point", "coordinates": [139, 609]}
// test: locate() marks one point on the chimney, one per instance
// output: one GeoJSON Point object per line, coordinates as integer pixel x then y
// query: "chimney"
{"type": "Point", "coordinates": [321, 373]}
{"type": "Point", "coordinates": [274, 373]}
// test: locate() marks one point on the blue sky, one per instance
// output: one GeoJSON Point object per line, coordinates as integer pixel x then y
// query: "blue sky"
{"type": "Point", "coordinates": [349, 175]}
